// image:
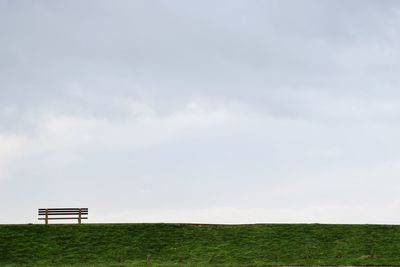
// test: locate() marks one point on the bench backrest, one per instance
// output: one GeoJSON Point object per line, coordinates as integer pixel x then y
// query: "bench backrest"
{"type": "Point", "coordinates": [60, 213]}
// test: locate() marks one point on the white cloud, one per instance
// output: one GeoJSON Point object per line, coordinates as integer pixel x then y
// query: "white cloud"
{"type": "Point", "coordinates": [11, 146]}
{"type": "Point", "coordinates": [60, 140]}
{"type": "Point", "coordinates": [346, 195]}
{"type": "Point", "coordinates": [144, 127]}
{"type": "Point", "coordinates": [353, 214]}
{"type": "Point", "coordinates": [208, 110]}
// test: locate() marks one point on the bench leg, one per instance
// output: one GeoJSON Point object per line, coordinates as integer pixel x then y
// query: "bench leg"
{"type": "Point", "coordinates": [47, 217]}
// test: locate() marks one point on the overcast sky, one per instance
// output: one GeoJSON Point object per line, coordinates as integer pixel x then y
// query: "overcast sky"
{"type": "Point", "coordinates": [201, 111]}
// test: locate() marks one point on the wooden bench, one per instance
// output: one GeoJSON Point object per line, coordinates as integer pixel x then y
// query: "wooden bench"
{"type": "Point", "coordinates": [56, 213]}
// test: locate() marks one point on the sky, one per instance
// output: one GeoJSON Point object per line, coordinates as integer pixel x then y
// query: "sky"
{"type": "Point", "coordinates": [278, 111]}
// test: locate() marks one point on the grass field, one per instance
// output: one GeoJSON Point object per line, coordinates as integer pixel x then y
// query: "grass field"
{"type": "Point", "coordinates": [198, 245]}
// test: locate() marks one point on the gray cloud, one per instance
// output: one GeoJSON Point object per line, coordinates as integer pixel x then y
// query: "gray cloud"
{"type": "Point", "coordinates": [200, 107]}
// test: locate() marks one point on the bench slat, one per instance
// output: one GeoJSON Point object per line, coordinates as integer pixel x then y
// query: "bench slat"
{"type": "Point", "coordinates": [62, 209]}
{"type": "Point", "coordinates": [56, 211]}
{"type": "Point", "coordinates": [64, 213]}
{"type": "Point", "coordinates": [60, 218]}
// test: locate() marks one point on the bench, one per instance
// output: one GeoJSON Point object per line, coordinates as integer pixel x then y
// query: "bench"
{"type": "Point", "coordinates": [56, 213]}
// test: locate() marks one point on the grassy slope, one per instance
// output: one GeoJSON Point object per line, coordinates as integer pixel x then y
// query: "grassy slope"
{"type": "Point", "coordinates": [198, 245]}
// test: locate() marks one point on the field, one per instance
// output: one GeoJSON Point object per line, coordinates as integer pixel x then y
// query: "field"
{"type": "Point", "coordinates": [198, 245]}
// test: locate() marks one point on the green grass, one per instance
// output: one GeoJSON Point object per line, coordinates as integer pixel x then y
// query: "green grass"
{"type": "Point", "coordinates": [198, 245]}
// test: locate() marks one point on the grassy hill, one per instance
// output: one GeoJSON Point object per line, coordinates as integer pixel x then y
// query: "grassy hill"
{"type": "Point", "coordinates": [198, 245]}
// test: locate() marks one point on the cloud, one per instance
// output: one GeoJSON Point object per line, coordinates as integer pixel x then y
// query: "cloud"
{"type": "Point", "coordinates": [207, 110]}
{"type": "Point", "coordinates": [352, 214]}
{"type": "Point", "coordinates": [11, 146]}
{"type": "Point", "coordinates": [144, 127]}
